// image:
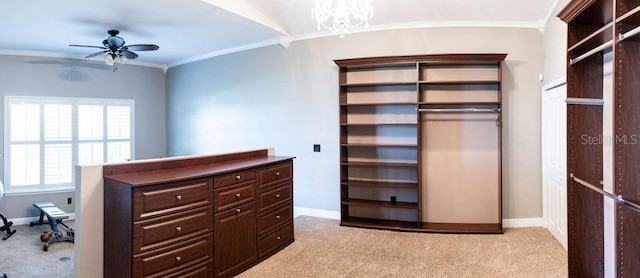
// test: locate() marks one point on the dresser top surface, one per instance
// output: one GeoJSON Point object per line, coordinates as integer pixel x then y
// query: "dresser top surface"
{"type": "Point", "coordinates": [151, 177]}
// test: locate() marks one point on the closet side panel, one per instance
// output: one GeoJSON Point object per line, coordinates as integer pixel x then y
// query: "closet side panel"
{"type": "Point", "coordinates": [585, 206]}
{"type": "Point", "coordinates": [627, 150]}
{"type": "Point", "coordinates": [460, 153]}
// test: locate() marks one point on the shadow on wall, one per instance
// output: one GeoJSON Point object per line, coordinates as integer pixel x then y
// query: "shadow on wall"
{"type": "Point", "coordinates": [72, 70]}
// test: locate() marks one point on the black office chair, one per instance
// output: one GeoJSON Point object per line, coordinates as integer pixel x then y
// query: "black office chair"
{"type": "Point", "coordinates": [7, 225]}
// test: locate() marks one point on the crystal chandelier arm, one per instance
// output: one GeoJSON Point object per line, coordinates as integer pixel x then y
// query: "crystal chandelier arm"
{"type": "Point", "coordinates": [360, 10]}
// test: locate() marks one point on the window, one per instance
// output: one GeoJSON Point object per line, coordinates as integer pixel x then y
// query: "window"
{"type": "Point", "coordinates": [45, 137]}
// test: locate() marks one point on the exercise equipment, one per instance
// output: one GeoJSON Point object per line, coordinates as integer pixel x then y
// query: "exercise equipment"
{"type": "Point", "coordinates": [55, 216]}
{"type": "Point", "coordinates": [6, 227]}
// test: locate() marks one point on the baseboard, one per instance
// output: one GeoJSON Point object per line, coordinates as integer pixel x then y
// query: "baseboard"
{"type": "Point", "coordinates": [28, 220]}
{"type": "Point", "coordinates": [506, 223]}
{"type": "Point", "coordinates": [523, 222]}
{"type": "Point", "coordinates": [297, 211]}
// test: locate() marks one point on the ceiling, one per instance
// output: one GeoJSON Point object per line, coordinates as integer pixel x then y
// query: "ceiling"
{"type": "Point", "coordinates": [190, 30]}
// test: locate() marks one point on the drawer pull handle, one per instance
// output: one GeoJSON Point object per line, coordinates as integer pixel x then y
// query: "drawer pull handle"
{"type": "Point", "coordinates": [278, 238]}
{"type": "Point", "coordinates": [277, 174]}
{"type": "Point", "coordinates": [178, 228]}
{"type": "Point", "coordinates": [179, 197]}
{"type": "Point", "coordinates": [178, 258]}
{"type": "Point", "coordinates": [238, 177]}
{"type": "Point", "coordinates": [238, 195]}
{"type": "Point", "coordinates": [277, 216]}
{"type": "Point", "coordinates": [277, 196]}
{"type": "Point", "coordinates": [237, 210]}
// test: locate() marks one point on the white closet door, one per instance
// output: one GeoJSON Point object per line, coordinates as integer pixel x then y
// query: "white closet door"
{"type": "Point", "coordinates": [460, 168]}
{"type": "Point", "coordinates": [554, 161]}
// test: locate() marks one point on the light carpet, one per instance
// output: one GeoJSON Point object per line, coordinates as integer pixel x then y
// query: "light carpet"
{"type": "Point", "coordinates": [21, 255]}
{"type": "Point", "coordinates": [324, 249]}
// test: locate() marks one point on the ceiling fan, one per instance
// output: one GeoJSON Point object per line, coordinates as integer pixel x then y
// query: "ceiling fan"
{"type": "Point", "coordinates": [114, 48]}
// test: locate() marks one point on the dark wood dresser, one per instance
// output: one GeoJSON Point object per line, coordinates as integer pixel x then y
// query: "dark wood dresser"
{"type": "Point", "coordinates": [206, 216]}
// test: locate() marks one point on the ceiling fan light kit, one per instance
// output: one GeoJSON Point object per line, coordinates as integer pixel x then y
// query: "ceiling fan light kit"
{"type": "Point", "coordinates": [114, 47]}
{"type": "Point", "coordinates": [346, 10]}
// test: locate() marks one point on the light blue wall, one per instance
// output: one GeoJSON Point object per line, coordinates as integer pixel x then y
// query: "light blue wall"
{"type": "Point", "coordinates": [288, 99]}
{"type": "Point", "coordinates": [38, 76]}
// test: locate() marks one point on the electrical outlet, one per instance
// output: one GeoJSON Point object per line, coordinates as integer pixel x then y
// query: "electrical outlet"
{"type": "Point", "coordinates": [316, 148]}
{"type": "Point", "coordinates": [68, 201]}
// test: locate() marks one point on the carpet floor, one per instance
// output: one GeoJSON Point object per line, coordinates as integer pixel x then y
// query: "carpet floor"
{"type": "Point", "coordinates": [325, 249]}
{"type": "Point", "coordinates": [21, 255]}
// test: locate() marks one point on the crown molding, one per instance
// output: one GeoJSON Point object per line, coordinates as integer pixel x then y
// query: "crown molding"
{"type": "Point", "coordinates": [226, 51]}
{"type": "Point", "coordinates": [375, 28]}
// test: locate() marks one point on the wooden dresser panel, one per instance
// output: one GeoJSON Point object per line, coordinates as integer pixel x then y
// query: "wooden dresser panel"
{"type": "Point", "coordinates": [231, 196]}
{"type": "Point", "coordinates": [274, 196]}
{"type": "Point", "coordinates": [234, 178]}
{"type": "Point", "coordinates": [167, 230]}
{"type": "Point", "coordinates": [275, 240]}
{"type": "Point", "coordinates": [269, 175]}
{"type": "Point", "coordinates": [172, 197]}
{"type": "Point", "coordinates": [235, 233]}
{"type": "Point", "coordinates": [165, 261]}
{"type": "Point", "coordinates": [269, 220]}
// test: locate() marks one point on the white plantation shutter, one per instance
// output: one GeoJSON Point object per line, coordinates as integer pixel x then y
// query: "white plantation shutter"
{"type": "Point", "coordinates": [46, 137]}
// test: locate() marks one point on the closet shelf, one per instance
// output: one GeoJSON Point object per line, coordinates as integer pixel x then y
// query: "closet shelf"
{"type": "Point", "coordinates": [377, 124]}
{"type": "Point", "coordinates": [378, 204]}
{"type": "Point", "coordinates": [459, 103]}
{"type": "Point", "coordinates": [372, 84]}
{"type": "Point", "coordinates": [378, 103]}
{"type": "Point", "coordinates": [370, 223]}
{"type": "Point", "coordinates": [380, 164]}
{"type": "Point", "coordinates": [597, 38]}
{"type": "Point", "coordinates": [378, 145]}
{"type": "Point", "coordinates": [461, 82]}
{"type": "Point", "coordinates": [391, 184]}
{"type": "Point", "coordinates": [631, 18]}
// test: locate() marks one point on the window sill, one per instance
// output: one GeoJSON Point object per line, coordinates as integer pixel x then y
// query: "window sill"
{"type": "Point", "coordinates": [39, 191]}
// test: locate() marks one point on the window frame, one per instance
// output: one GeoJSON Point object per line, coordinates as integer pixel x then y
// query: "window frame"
{"type": "Point", "coordinates": [75, 141]}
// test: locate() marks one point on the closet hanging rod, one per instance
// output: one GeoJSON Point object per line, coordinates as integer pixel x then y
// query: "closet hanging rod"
{"type": "Point", "coordinates": [584, 101]}
{"type": "Point", "coordinates": [629, 34]}
{"type": "Point", "coordinates": [591, 52]}
{"type": "Point", "coordinates": [457, 110]}
{"type": "Point", "coordinates": [616, 198]}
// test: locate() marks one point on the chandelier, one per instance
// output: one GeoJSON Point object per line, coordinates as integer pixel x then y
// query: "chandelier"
{"type": "Point", "coordinates": [346, 11]}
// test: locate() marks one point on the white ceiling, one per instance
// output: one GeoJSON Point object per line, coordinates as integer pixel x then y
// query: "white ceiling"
{"type": "Point", "coordinates": [189, 30]}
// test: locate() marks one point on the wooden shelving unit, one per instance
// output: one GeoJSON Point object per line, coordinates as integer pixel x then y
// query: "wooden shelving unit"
{"type": "Point", "coordinates": [382, 146]}
{"type": "Point", "coordinates": [597, 28]}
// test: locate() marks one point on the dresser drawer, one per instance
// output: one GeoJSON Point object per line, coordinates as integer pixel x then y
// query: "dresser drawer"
{"type": "Point", "coordinates": [167, 230]}
{"type": "Point", "coordinates": [269, 175]}
{"type": "Point", "coordinates": [234, 195]}
{"type": "Point", "coordinates": [272, 219]}
{"type": "Point", "coordinates": [275, 240]}
{"type": "Point", "coordinates": [170, 198]}
{"type": "Point", "coordinates": [274, 196]}
{"type": "Point", "coordinates": [203, 270]}
{"type": "Point", "coordinates": [166, 261]}
{"type": "Point", "coordinates": [234, 178]}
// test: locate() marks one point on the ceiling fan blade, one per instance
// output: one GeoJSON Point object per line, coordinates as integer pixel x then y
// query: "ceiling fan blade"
{"type": "Point", "coordinates": [96, 54]}
{"type": "Point", "coordinates": [92, 46]}
{"type": "Point", "coordinates": [142, 47]}
{"type": "Point", "coordinates": [130, 55]}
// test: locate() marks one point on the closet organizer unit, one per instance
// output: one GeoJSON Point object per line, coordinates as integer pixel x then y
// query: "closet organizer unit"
{"type": "Point", "coordinates": [420, 142]}
{"type": "Point", "coordinates": [597, 29]}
